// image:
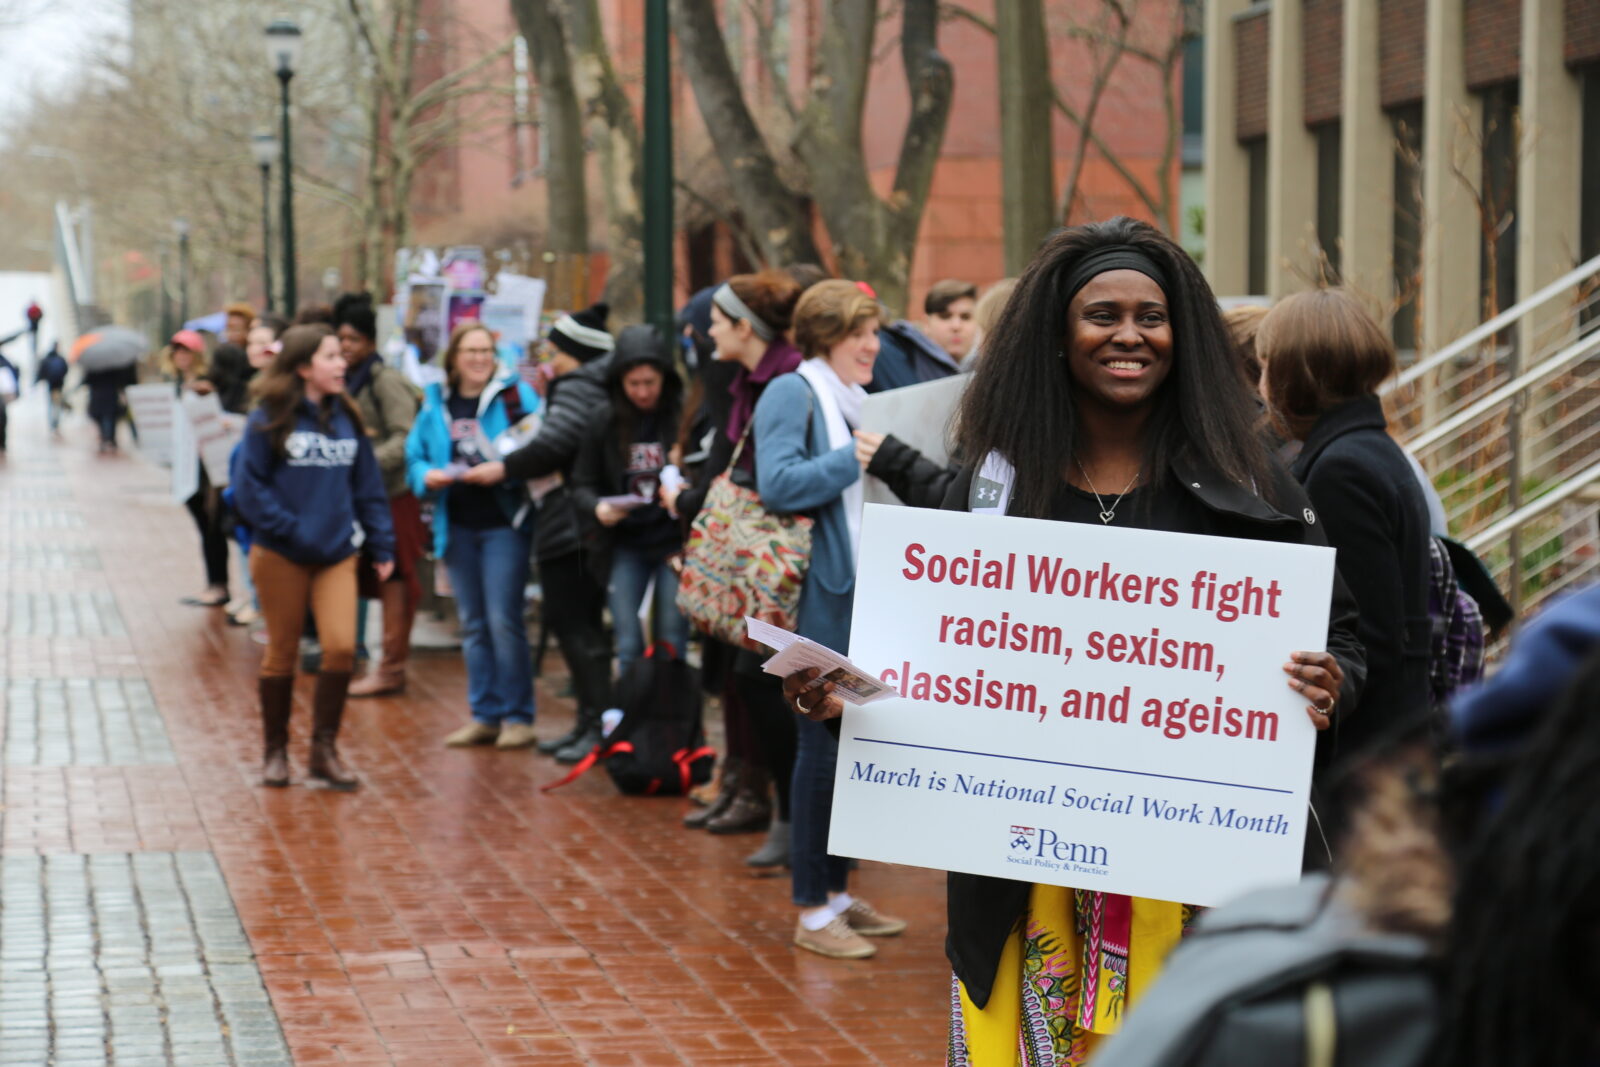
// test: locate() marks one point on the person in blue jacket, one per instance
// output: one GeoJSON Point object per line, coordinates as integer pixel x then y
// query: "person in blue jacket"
{"type": "Point", "coordinates": [308, 485]}
{"type": "Point", "coordinates": [804, 427]}
{"type": "Point", "coordinates": [482, 529]}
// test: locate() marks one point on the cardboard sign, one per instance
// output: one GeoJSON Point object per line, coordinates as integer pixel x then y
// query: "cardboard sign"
{"type": "Point", "coordinates": [152, 408]}
{"type": "Point", "coordinates": [185, 453]}
{"type": "Point", "coordinates": [215, 433]}
{"type": "Point", "coordinates": [1088, 706]}
{"type": "Point", "coordinates": [920, 415]}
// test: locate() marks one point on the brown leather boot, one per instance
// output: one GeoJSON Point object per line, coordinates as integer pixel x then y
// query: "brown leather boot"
{"type": "Point", "coordinates": [389, 676]}
{"type": "Point", "coordinates": [732, 768]}
{"type": "Point", "coordinates": [277, 701]}
{"type": "Point", "coordinates": [750, 811]}
{"type": "Point", "coordinates": [327, 712]}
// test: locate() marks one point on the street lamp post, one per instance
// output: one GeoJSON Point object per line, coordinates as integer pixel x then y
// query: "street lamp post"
{"type": "Point", "coordinates": [657, 168]}
{"type": "Point", "coordinates": [264, 147]}
{"type": "Point", "coordinates": [283, 51]}
{"type": "Point", "coordinates": [181, 227]}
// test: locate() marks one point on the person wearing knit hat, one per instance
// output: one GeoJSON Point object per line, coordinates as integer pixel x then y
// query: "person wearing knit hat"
{"type": "Point", "coordinates": [580, 337]}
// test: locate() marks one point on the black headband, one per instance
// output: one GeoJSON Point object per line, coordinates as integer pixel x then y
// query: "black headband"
{"type": "Point", "coordinates": [1116, 257]}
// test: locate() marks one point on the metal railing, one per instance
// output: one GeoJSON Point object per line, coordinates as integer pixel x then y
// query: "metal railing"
{"type": "Point", "coordinates": [1509, 431]}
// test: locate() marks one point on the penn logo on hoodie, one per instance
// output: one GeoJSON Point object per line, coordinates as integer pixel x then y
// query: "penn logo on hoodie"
{"type": "Point", "coordinates": [306, 448]}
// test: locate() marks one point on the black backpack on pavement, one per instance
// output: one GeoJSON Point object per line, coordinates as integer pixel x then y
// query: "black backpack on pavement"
{"type": "Point", "coordinates": [1281, 978]}
{"type": "Point", "coordinates": [659, 746]}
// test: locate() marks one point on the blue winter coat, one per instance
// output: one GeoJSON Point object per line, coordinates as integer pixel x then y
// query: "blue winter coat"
{"type": "Point", "coordinates": [798, 472]}
{"type": "Point", "coordinates": [428, 448]}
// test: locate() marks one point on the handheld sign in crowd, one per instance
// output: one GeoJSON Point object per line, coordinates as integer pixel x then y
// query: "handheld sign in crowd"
{"type": "Point", "coordinates": [152, 409]}
{"type": "Point", "coordinates": [1080, 705]}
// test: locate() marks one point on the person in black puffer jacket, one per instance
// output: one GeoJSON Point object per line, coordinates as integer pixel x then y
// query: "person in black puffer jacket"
{"type": "Point", "coordinates": [574, 596]}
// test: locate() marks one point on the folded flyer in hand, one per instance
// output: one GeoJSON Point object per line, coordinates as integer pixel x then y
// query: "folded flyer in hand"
{"type": "Point", "coordinates": [796, 653]}
{"type": "Point", "coordinates": [626, 502]}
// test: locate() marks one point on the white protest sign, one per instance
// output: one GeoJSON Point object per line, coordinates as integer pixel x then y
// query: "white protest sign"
{"type": "Point", "coordinates": [215, 433]}
{"type": "Point", "coordinates": [185, 454]}
{"type": "Point", "coordinates": [152, 409]}
{"type": "Point", "coordinates": [529, 292]}
{"type": "Point", "coordinates": [1087, 706]}
{"type": "Point", "coordinates": [920, 415]}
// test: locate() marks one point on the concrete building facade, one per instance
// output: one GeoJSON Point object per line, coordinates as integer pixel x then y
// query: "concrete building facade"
{"type": "Point", "coordinates": [1439, 157]}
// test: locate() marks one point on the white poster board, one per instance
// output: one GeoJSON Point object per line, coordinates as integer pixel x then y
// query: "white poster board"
{"type": "Point", "coordinates": [185, 454]}
{"type": "Point", "coordinates": [151, 407]}
{"type": "Point", "coordinates": [1088, 706]}
{"type": "Point", "coordinates": [920, 415]}
{"type": "Point", "coordinates": [215, 433]}
{"type": "Point", "coordinates": [529, 292]}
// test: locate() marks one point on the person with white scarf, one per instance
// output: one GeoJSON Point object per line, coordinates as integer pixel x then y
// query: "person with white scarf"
{"type": "Point", "coordinates": [804, 432]}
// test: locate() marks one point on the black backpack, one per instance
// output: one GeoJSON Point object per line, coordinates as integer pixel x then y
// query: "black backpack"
{"type": "Point", "coordinates": [659, 747]}
{"type": "Point", "coordinates": [1283, 976]}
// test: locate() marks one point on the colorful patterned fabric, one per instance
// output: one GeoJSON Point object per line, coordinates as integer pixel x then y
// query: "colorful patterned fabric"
{"type": "Point", "coordinates": [742, 560]}
{"type": "Point", "coordinates": [1042, 1011]}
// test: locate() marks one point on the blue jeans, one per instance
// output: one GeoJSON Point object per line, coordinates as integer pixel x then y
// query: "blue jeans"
{"type": "Point", "coordinates": [815, 874]}
{"type": "Point", "coordinates": [489, 571]}
{"type": "Point", "coordinates": [631, 572]}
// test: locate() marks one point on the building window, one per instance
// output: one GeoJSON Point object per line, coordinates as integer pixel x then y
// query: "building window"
{"type": "Point", "coordinates": [1407, 225]}
{"type": "Point", "coordinates": [1498, 199]}
{"type": "Point", "coordinates": [1256, 257]}
{"type": "Point", "coordinates": [1328, 165]}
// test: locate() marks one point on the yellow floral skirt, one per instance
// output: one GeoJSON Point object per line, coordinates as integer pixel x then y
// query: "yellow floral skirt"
{"type": "Point", "coordinates": [1075, 961]}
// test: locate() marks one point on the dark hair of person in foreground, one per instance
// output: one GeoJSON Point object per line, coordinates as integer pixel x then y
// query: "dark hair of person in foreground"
{"type": "Point", "coordinates": [1020, 403]}
{"type": "Point", "coordinates": [1497, 863]}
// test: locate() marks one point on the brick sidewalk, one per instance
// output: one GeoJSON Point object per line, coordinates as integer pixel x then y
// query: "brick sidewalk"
{"type": "Point", "coordinates": [447, 913]}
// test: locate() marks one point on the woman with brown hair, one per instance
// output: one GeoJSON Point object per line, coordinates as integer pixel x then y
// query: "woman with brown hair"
{"type": "Point", "coordinates": [750, 319]}
{"type": "Point", "coordinates": [482, 529]}
{"type": "Point", "coordinates": [804, 429]}
{"type": "Point", "coordinates": [308, 485]}
{"type": "Point", "coordinates": [1323, 358]}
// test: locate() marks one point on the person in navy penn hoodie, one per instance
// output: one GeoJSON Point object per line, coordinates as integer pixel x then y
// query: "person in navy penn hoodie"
{"type": "Point", "coordinates": [307, 483]}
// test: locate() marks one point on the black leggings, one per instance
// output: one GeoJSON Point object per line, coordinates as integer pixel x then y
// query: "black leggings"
{"type": "Point", "coordinates": [771, 721]}
{"type": "Point", "coordinates": [207, 517]}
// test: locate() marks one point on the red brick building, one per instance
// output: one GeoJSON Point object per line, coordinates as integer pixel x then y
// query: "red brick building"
{"type": "Point", "coordinates": [489, 190]}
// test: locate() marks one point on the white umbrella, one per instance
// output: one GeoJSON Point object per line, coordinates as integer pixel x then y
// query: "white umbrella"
{"type": "Point", "coordinates": [109, 347]}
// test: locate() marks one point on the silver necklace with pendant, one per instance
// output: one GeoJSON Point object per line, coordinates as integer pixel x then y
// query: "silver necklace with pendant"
{"type": "Point", "coordinates": [1106, 514]}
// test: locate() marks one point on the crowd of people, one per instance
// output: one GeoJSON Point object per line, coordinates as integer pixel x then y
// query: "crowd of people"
{"type": "Point", "coordinates": [1108, 387]}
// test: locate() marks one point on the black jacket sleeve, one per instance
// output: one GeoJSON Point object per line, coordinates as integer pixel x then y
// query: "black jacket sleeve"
{"type": "Point", "coordinates": [911, 476]}
{"type": "Point", "coordinates": [1343, 612]}
{"type": "Point", "coordinates": [590, 477]}
{"type": "Point", "coordinates": [693, 497]}
{"type": "Point", "coordinates": [554, 449]}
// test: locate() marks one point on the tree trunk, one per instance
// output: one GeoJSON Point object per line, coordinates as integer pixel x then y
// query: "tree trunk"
{"type": "Point", "coordinates": [1027, 154]}
{"type": "Point", "coordinates": [772, 211]}
{"type": "Point", "coordinates": [874, 239]}
{"type": "Point", "coordinates": [617, 131]}
{"type": "Point", "coordinates": [566, 190]}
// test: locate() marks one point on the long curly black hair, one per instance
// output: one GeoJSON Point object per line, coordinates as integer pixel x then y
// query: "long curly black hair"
{"type": "Point", "coordinates": [1021, 405]}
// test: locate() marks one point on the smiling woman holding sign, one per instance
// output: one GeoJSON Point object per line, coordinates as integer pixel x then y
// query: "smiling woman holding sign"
{"type": "Point", "coordinates": [1109, 393]}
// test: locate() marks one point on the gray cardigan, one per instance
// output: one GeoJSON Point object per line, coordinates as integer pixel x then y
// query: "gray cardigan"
{"type": "Point", "coordinates": [798, 473]}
